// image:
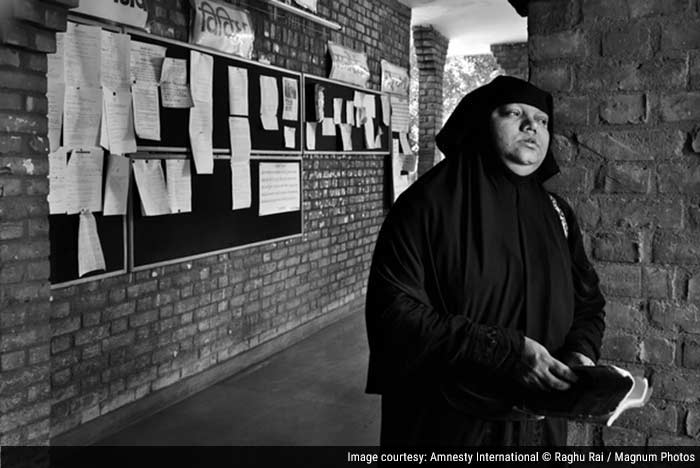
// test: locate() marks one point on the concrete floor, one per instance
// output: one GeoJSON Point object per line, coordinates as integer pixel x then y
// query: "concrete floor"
{"type": "Point", "coordinates": [309, 394]}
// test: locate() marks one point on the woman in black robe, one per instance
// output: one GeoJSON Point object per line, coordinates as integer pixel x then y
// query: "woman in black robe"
{"type": "Point", "coordinates": [480, 287]}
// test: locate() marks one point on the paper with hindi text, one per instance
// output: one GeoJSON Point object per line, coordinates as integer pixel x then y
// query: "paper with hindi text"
{"type": "Point", "coordinates": [118, 121]}
{"type": "Point", "coordinates": [82, 111]}
{"type": "Point", "coordinates": [116, 185]}
{"type": "Point", "coordinates": [290, 91]}
{"type": "Point", "coordinates": [179, 185]}
{"type": "Point", "coordinates": [237, 91]}
{"type": "Point", "coordinates": [290, 137]}
{"type": "Point", "coordinates": [174, 90]}
{"type": "Point", "coordinates": [150, 182]}
{"type": "Point", "coordinates": [145, 62]}
{"type": "Point", "coordinates": [239, 132]}
{"type": "Point", "coordinates": [201, 127]}
{"type": "Point", "coordinates": [58, 165]}
{"type": "Point", "coordinates": [346, 136]}
{"type": "Point", "coordinates": [337, 110]}
{"type": "Point", "coordinates": [82, 52]}
{"type": "Point", "coordinates": [90, 256]}
{"type": "Point", "coordinates": [269, 102]}
{"type": "Point", "coordinates": [241, 191]}
{"type": "Point", "coordinates": [201, 76]}
{"type": "Point", "coordinates": [115, 63]}
{"type": "Point", "coordinates": [83, 181]}
{"type": "Point", "coordinates": [311, 135]}
{"type": "Point", "coordinates": [279, 188]}
{"type": "Point", "coordinates": [55, 96]}
{"type": "Point", "coordinates": [146, 111]}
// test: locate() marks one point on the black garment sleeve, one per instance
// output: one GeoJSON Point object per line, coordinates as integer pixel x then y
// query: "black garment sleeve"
{"type": "Point", "coordinates": [411, 334]}
{"type": "Point", "coordinates": [586, 333]}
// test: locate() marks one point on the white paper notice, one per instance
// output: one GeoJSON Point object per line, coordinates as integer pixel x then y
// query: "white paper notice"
{"type": "Point", "coordinates": [117, 185]}
{"type": "Point", "coordinates": [201, 76]}
{"type": "Point", "coordinates": [399, 114]}
{"type": "Point", "coordinates": [174, 90]}
{"type": "Point", "coordinates": [104, 132]}
{"type": "Point", "coordinates": [83, 189]}
{"type": "Point", "coordinates": [337, 110]}
{"type": "Point", "coordinates": [118, 121]}
{"type": "Point", "coordinates": [269, 102]}
{"type": "Point", "coordinates": [327, 127]}
{"type": "Point", "coordinates": [201, 129]}
{"type": "Point", "coordinates": [179, 183]}
{"type": "Point", "coordinates": [370, 106]}
{"type": "Point", "coordinates": [90, 256]}
{"type": "Point", "coordinates": [146, 61]}
{"type": "Point", "coordinates": [55, 94]}
{"type": "Point", "coordinates": [311, 135]}
{"type": "Point", "coordinates": [378, 138]}
{"type": "Point", "coordinates": [82, 51]}
{"type": "Point", "coordinates": [349, 112]}
{"type": "Point", "coordinates": [359, 99]}
{"type": "Point", "coordinates": [115, 68]}
{"type": "Point", "coordinates": [386, 110]}
{"type": "Point", "coordinates": [279, 188]}
{"type": "Point", "coordinates": [290, 137]}
{"type": "Point", "coordinates": [345, 133]}
{"type": "Point", "coordinates": [237, 91]}
{"type": "Point", "coordinates": [150, 181]}
{"type": "Point", "coordinates": [82, 109]}
{"type": "Point", "coordinates": [291, 99]}
{"type": "Point", "coordinates": [369, 134]}
{"type": "Point", "coordinates": [239, 131]}
{"type": "Point", "coordinates": [146, 111]}
{"type": "Point", "coordinates": [240, 185]}
{"type": "Point", "coordinates": [57, 181]}
{"type": "Point", "coordinates": [174, 71]}
{"type": "Point", "coordinates": [405, 146]}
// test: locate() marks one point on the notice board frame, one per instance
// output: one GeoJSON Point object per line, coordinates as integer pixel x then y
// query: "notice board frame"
{"type": "Point", "coordinates": [135, 266]}
{"type": "Point", "coordinates": [221, 66]}
{"type": "Point", "coordinates": [309, 106]}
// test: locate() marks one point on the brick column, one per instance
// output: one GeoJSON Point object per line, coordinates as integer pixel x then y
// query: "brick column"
{"type": "Point", "coordinates": [27, 34]}
{"type": "Point", "coordinates": [626, 82]}
{"type": "Point", "coordinates": [431, 50]}
{"type": "Point", "coordinates": [512, 57]}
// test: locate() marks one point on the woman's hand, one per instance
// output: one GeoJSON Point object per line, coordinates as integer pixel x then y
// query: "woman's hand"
{"type": "Point", "coordinates": [538, 370]}
{"type": "Point", "coordinates": [575, 358]}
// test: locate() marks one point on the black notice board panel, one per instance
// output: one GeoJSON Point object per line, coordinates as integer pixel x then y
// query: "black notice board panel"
{"type": "Point", "coordinates": [212, 225]}
{"type": "Point", "coordinates": [334, 89]}
{"type": "Point", "coordinates": [174, 123]}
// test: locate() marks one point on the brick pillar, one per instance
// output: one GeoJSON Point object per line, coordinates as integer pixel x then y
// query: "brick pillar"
{"type": "Point", "coordinates": [626, 82]}
{"type": "Point", "coordinates": [27, 34]}
{"type": "Point", "coordinates": [512, 57]}
{"type": "Point", "coordinates": [431, 50]}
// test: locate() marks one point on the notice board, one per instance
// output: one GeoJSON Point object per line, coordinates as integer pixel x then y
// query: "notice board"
{"type": "Point", "coordinates": [212, 226]}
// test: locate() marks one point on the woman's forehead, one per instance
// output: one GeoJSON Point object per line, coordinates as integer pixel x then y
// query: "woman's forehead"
{"type": "Point", "coordinates": [527, 107]}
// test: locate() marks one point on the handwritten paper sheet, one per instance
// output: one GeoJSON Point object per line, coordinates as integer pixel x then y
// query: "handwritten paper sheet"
{"type": "Point", "coordinates": [346, 135]}
{"type": "Point", "coordinates": [82, 52]}
{"type": "Point", "coordinates": [174, 90]}
{"type": "Point", "coordinates": [104, 132]}
{"type": "Point", "coordinates": [150, 182]}
{"type": "Point", "coordinates": [369, 134]}
{"type": "Point", "coordinates": [239, 132]}
{"type": "Point", "coordinates": [57, 181]}
{"type": "Point", "coordinates": [290, 137]}
{"type": "Point", "coordinates": [370, 106]}
{"type": "Point", "coordinates": [179, 184]}
{"type": "Point", "coordinates": [201, 76]}
{"type": "Point", "coordinates": [311, 135]}
{"type": "Point", "coordinates": [237, 91]}
{"type": "Point", "coordinates": [83, 182]}
{"type": "Point", "coordinates": [115, 64]}
{"type": "Point", "coordinates": [269, 102]}
{"type": "Point", "coordinates": [201, 128]}
{"type": "Point", "coordinates": [405, 146]}
{"type": "Point", "coordinates": [279, 188]}
{"type": "Point", "coordinates": [399, 114]}
{"type": "Point", "coordinates": [386, 110]}
{"type": "Point", "coordinates": [146, 61]}
{"type": "Point", "coordinates": [117, 119]}
{"type": "Point", "coordinates": [146, 111]}
{"type": "Point", "coordinates": [319, 101]}
{"type": "Point", "coordinates": [337, 110]}
{"type": "Point", "coordinates": [55, 95]}
{"type": "Point", "coordinates": [327, 127]}
{"type": "Point", "coordinates": [90, 256]}
{"type": "Point", "coordinates": [82, 110]}
{"type": "Point", "coordinates": [359, 99]}
{"type": "Point", "coordinates": [241, 191]}
{"type": "Point", "coordinates": [116, 185]}
{"type": "Point", "coordinates": [291, 99]}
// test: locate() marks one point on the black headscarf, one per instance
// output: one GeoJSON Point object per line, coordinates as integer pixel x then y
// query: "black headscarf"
{"type": "Point", "coordinates": [470, 259]}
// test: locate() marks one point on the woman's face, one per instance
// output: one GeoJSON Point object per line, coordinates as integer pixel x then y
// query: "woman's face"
{"type": "Point", "coordinates": [521, 136]}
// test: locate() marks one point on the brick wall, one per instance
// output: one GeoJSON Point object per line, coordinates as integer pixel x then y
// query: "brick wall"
{"type": "Point", "coordinates": [27, 33]}
{"type": "Point", "coordinates": [118, 340]}
{"type": "Point", "coordinates": [512, 57]}
{"type": "Point", "coordinates": [626, 78]}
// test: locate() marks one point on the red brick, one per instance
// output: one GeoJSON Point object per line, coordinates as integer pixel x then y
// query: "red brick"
{"type": "Point", "coordinates": [694, 69]}
{"type": "Point", "coordinates": [681, 36]}
{"type": "Point", "coordinates": [677, 386]}
{"type": "Point", "coordinates": [546, 17]}
{"type": "Point", "coordinates": [620, 280]}
{"type": "Point", "coordinates": [676, 249]}
{"type": "Point", "coordinates": [619, 348]}
{"type": "Point", "coordinates": [616, 247]}
{"type": "Point", "coordinates": [634, 145]}
{"type": "Point", "coordinates": [570, 179]}
{"type": "Point", "coordinates": [668, 440]}
{"type": "Point", "coordinates": [625, 316]}
{"type": "Point", "coordinates": [654, 415]}
{"type": "Point", "coordinates": [566, 44]}
{"type": "Point", "coordinates": [692, 423]}
{"type": "Point", "coordinates": [11, 101]}
{"type": "Point", "coordinates": [10, 144]}
{"type": "Point", "coordinates": [657, 350]}
{"type": "Point", "coordinates": [674, 316]}
{"type": "Point", "coordinates": [691, 354]}
{"type": "Point", "coordinates": [571, 110]}
{"type": "Point", "coordinates": [675, 178]}
{"type": "Point", "coordinates": [13, 360]}
{"type": "Point", "coordinates": [553, 77]}
{"type": "Point", "coordinates": [680, 106]}
{"type": "Point", "coordinates": [628, 41]}
{"type": "Point", "coordinates": [625, 178]}
{"type": "Point", "coordinates": [597, 9]}
{"type": "Point", "coordinates": [9, 56]}
{"type": "Point", "coordinates": [22, 123]}
{"type": "Point", "coordinates": [656, 282]}
{"type": "Point", "coordinates": [624, 109]}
